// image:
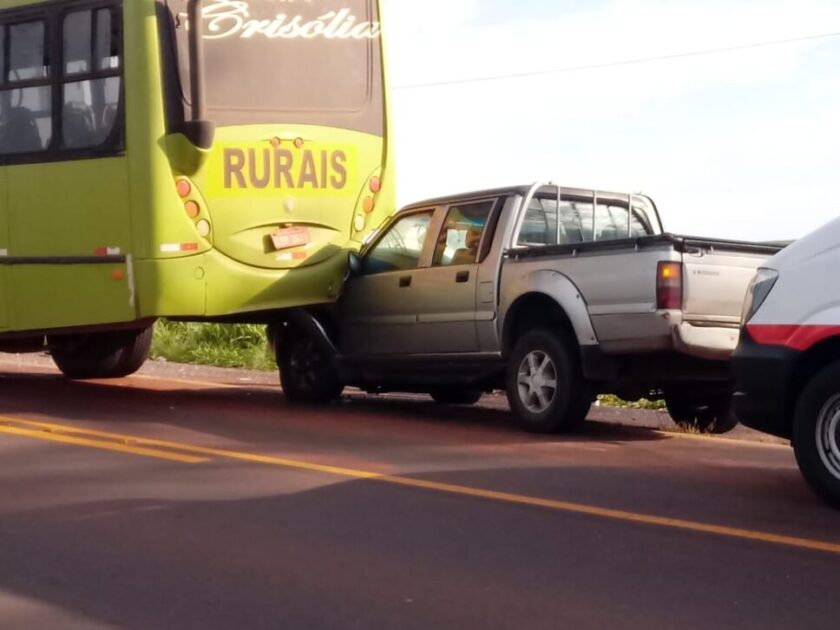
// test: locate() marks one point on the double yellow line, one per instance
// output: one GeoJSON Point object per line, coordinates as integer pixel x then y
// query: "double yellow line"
{"type": "Point", "coordinates": [69, 435]}
{"type": "Point", "coordinates": [191, 454]}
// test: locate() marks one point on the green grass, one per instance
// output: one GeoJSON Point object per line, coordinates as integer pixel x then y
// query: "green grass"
{"type": "Point", "coordinates": [221, 345]}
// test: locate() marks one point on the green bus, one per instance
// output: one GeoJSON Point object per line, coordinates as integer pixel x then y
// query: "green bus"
{"type": "Point", "coordinates": [205, 160]}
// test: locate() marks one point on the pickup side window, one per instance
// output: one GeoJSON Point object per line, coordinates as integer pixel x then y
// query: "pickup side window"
{"type": "Point", "coordinates": [539, 227]}
{"type": "Point", "coordinates": [576, 223]}
{"type": "Point", "coordinates": [611, 223]}
{"type": "Point", "coordinates": [401, 246]}
{"type": "Point", "coordinates": [459, 241]}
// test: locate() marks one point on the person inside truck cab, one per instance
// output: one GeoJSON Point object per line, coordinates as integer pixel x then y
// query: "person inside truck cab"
{"type": "Point", "coordinates": [468, 254]}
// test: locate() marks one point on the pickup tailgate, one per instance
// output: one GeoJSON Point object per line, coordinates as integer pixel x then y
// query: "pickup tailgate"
{"type": "Point", "coordinates": [717, 274]}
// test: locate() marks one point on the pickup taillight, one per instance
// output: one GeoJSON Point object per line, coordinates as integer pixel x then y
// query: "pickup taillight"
{"type": "Point", "coordinates": [669, 286]}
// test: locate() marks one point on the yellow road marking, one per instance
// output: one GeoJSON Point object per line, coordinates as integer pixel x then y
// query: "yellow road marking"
{"type": "Point", "coordinates": [718, 439]}
{"type": "Point", "coordinates": [506, 497]}
{"type": "Point", "coordinates": [40, 434]}
{"type": "Point", "coordinates": [198, 383]}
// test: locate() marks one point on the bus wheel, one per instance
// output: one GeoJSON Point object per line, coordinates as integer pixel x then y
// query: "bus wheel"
{"type": "Point", "coordinates": [816, 434]}
{"type": "Point", "coordinates": [706, 414]}
{"type": "Point", "coordinates": [111, 354]}
{"type": "Point", "coordinates": [306, 373]}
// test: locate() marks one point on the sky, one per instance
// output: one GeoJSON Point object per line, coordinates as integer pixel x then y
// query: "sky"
{"type": "Point", "coordinates": [740, 144]}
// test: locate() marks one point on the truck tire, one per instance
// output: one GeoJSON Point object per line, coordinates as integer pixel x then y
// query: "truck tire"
{"type": "Point", "coordinates": [816, 433]}
{"type": "Point", "coordinates": [711, 413]}
{"type": "Point", "coordinates": [306, 373]}
{"type": "Point", "coordinates": [111, 354]}
{"type": "Point", "coordinates": [545, 386]}
{"type": "Point", "coordinates": [455, 395]}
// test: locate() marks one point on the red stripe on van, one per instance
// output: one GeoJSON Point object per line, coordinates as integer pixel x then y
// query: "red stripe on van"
{"type": "Point", "coordinates": [795, 337]}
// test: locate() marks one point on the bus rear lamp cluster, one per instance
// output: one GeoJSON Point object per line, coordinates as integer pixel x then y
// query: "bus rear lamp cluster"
{"type": "Point", "coordinates": [203, 228]}
{"type": "Point", "coordinates": [183, 187]}
{"type": "Point", "coordinates": [193, 209]}
{"type": "Point", "coordinates": [669, 286]}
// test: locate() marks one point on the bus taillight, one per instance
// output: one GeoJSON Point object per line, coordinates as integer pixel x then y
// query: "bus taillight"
{"type": "Point", "coordinates": [203, 227]}
{"type": "Point", "coordinates": [375, 185]}
{"type": "Point", "coordinates": [193, 209]}
{"type": "Point", "coordinates": [183, 187]}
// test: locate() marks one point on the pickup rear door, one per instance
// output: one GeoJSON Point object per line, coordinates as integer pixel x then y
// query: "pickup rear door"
{"type": "Point", "coordinates": [379, 306]}
{"type": "Point", "coordinates": [448, 287]}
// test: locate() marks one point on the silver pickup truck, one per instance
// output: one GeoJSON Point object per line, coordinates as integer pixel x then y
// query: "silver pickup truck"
{"type": "Point", "coordinates": [554, 294]}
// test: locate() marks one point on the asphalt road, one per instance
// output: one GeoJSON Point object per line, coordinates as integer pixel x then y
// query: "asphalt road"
{"type": "Point", "coordinates": [185, 498]}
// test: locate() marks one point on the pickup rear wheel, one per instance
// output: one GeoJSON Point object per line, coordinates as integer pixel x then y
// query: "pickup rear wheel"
{"type": "Point", "coordinates": [307, 374]}
{"type": "Point", "coordinates": [455, 395]}
{"type": "Point", "coordinates": [709, 413]}
{"type": "Point", "coordinates": [816, 433]}
{"type": "Point", "coordinates": [545, 387]}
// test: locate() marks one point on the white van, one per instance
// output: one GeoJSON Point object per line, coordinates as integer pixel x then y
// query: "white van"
{"type": "Point", "coordinates": [787, 365]}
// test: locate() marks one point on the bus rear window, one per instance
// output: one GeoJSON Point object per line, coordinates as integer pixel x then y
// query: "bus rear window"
{"type": "Point", "coordinates": [316, 62]}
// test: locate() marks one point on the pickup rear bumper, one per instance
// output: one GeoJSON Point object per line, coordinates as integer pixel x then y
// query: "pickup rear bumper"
{"type": "Point", "coordinates": [705, 342]}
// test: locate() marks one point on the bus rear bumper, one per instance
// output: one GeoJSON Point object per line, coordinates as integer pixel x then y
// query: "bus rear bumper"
{"type": "Point", "coordinates": [213, 285]}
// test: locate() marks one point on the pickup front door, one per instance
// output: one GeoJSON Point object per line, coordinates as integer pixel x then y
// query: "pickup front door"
{"type": "Point", "coordinates": [446, 319]}
{"type": "Point", "coordinates": [380, 305]}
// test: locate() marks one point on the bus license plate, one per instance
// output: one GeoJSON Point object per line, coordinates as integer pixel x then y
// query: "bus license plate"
{"type": "Point", "coordinates": [290, 237]}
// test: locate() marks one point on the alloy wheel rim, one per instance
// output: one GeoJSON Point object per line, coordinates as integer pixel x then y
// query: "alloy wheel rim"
{"type": "Point", "coordinates": [305, 365]}
{"type": "Point", "coordinates": [537, 381]}
{"type": "Point", "coordinates": [828, 435]}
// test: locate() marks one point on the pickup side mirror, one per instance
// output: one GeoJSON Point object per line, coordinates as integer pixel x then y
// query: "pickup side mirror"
{"type": "Point", "coordinates": [354, 264]}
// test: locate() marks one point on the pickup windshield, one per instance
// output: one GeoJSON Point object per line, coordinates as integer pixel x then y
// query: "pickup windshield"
{"type": "Point", "coordinates": [316, 62]}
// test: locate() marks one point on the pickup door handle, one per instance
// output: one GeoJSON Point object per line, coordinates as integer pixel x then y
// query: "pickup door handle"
{"type": "Point", "coordinates": [405, 282]}
{"type": "Point", "coordinates": [462, 276]}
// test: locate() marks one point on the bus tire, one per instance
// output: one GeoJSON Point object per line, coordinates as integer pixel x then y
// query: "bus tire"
{"type": "Point", "coordinates": [545, 386]}
{"type": "Point", "coordinates": [455, 395]}
{"type": "Point", "coordinates": [816, 434]}
{"type": "Point", "coordinates": [307, 374]}
{"type": "Point", "coordinates": [111, 354]}
{"type": "Point", "coordinates": [711, 413]}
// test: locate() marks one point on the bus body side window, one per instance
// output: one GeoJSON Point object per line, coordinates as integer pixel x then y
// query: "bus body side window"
{"type": "Point", "coordinates": [26, 96]}
{"type": "Point", "coordinates": [92, 87]}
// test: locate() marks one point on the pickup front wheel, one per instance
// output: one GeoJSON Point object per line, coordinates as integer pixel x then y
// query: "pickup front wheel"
{"type": "Point", "coordinates": [545, 387]}
{"type": "Point", "coordinates": [307, 374]}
